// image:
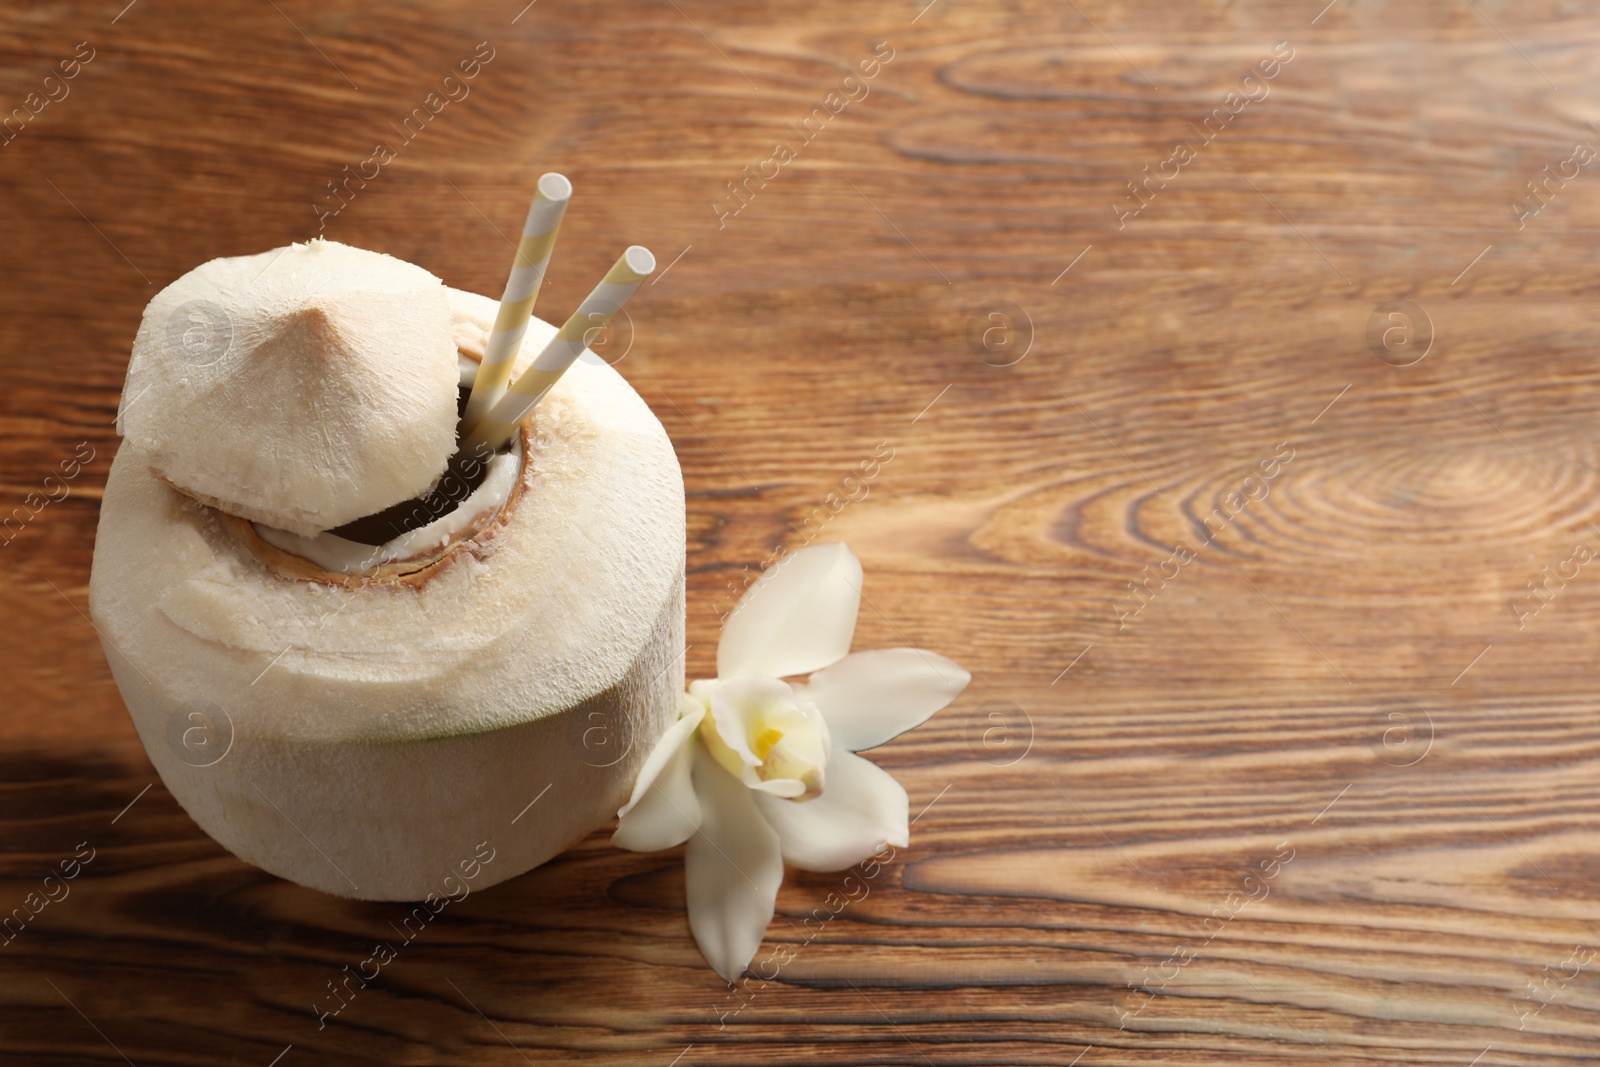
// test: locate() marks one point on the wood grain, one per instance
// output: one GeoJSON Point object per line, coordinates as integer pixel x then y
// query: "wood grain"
{"type": "Point", "coordinates": [1338, 672]}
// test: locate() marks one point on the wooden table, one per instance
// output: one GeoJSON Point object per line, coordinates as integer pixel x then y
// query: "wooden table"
{"type": "Point", "coordinates": [1271, 755]}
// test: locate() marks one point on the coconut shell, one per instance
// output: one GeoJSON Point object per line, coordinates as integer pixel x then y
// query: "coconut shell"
{"type": "Point", "coordinates": [366, 736]}
{"type": "Point", "coordinates": [301, 388]}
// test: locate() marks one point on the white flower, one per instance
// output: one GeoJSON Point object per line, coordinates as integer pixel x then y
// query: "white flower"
{"type": "Point", "coordinates": [757, 771]}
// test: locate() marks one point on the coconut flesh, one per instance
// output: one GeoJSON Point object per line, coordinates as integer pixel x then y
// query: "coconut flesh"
{"type": "Point", "coordinates": [357, 706]}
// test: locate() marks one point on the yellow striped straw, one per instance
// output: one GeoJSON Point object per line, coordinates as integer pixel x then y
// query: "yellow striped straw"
{"type": "Point", "coordinates": [631, 268]}
{"type": "Point", "coordinates": [522, 289]}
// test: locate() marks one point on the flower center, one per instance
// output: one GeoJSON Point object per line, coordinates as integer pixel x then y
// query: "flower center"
{"type": "Point", "coordinates": [763, 736]}
{"type": "Point", "coordinates": [764, 742]}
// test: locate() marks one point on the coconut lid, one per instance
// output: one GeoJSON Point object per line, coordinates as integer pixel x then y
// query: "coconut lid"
{"type": "Point", "coordinates": [300, 388]}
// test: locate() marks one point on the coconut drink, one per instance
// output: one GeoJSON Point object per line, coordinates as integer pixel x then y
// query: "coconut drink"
{"type": "Point", "coordinates": [389, 580]}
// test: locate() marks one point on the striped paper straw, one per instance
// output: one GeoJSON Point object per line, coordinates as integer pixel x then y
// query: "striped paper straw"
{"type": "Point", "coordinates": [522, 289]}
{"type": "Point", "coordinates": [631, 268]}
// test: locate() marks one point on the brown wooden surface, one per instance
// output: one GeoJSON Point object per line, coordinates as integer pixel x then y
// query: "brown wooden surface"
{"type": "Point", "coordinates": [1442, 861]}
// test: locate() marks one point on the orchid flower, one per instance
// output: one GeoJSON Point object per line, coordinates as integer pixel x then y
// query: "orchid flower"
{"type": "Point", "coordinates": [758, 771]}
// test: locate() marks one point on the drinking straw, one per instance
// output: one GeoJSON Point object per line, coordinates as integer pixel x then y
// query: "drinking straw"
{"type": "Point", "coordinates": [522, 289]}
{"type": "Point", "coordinates": [497, 427]}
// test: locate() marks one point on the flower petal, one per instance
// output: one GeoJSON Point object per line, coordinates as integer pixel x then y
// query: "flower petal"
{"type": "Point", "coordinates": [869, 697]}
{"type": "Point", "coordinates": [733, 867]}
{"type": "Point", "coordinates": [663, 810]}
{"type": "Point", "coordinates": [797, 617]}
{"type": "Point", "coordinates": [860, 810]}
{"type": "Point", "coordinates": [778, 787]}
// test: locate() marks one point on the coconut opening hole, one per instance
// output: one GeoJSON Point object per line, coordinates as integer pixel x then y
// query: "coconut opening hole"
{"type": "Point", "coordinates": [466, 471]}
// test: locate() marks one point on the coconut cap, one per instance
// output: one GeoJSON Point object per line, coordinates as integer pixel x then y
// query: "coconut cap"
{"type": "Point", "coordinates": [300, 388]}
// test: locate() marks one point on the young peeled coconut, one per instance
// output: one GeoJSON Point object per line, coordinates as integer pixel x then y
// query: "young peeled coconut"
{"type": "Point", "coordinates": [352, 654]}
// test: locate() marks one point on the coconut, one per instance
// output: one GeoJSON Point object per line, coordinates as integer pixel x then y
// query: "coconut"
{"type": "Point", "coordinates": [364, 730]}
{"type": "Point", "coordinates": [301, 388]}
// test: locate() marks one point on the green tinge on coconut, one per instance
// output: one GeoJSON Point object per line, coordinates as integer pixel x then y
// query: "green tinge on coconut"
{"type": "Point", "coordinates": [365, 736]}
